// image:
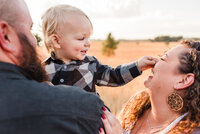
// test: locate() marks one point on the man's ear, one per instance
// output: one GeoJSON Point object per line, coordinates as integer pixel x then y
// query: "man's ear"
{"type": "Point", "coordinates": [55, 41]}
{"type": "Point", "coordinates": [186, 81]}
{"type": "Point", "coordinates": [6, 37]}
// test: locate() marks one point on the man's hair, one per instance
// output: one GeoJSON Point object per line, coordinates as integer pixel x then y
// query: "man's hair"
{"type": "Point", "coordinates": [53, 18]}
{"type": "Point", "coordinates": [8, 11]}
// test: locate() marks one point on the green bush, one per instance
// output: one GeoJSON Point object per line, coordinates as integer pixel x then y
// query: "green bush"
{"type": "Point", "coordinates": [109, 45]}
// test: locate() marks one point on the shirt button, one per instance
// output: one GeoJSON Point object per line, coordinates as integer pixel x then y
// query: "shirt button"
{"type": "Point", "coordinates": [61, 80]}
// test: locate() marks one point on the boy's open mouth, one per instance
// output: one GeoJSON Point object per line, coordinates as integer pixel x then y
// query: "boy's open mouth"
{"type": "Point", "coordinates": [84, 51]}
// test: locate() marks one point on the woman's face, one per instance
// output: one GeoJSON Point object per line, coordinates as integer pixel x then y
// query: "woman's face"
{"type": "Point", "coordinates": [165, 71]}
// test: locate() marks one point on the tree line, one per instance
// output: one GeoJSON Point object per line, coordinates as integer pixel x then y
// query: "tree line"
{"type": "Point", "coordinates": [110, 44]}
{"type": "Point", "coordinates": [167, 38]}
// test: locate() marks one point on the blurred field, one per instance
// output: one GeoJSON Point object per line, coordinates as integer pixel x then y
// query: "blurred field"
{"type": "Point", "coordinates": [115, 97]}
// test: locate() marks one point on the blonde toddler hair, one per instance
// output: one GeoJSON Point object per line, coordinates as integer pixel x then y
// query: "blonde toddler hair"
{"type": "Point", "coordinates": [53, 18]}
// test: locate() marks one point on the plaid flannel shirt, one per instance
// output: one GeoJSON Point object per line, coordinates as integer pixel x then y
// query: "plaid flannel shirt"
{"type": "Point", "coordinates": [89, 72]}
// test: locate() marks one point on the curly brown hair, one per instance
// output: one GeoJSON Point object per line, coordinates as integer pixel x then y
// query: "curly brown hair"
{"type": "Point", "coordinates": [134, 109]}
{"type": "Point", "coordinates": [138, 104]}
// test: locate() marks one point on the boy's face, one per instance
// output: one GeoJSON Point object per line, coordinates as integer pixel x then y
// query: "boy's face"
{"type": "Point", "coordinates": [74, 41]}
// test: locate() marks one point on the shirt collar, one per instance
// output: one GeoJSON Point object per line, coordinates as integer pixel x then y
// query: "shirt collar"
{"type": "Point", "coordinates": [76, 62]}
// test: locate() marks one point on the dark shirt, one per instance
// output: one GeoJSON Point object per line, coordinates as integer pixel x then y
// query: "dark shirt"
{"type": "Point", "coordinates": [89, 72]}
{"type": "Point", "coordinates": [29, 107]}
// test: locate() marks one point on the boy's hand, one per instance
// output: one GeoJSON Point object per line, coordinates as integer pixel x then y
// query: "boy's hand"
{"type": "Point", "coordinates": [146, 62]}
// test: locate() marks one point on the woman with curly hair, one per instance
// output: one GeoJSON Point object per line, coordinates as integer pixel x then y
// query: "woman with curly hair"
{"type": "Point", "coordinates": [171, 102]}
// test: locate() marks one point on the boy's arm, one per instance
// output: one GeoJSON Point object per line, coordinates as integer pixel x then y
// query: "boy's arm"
{"type": "Point", "coordinates": [122, 74]}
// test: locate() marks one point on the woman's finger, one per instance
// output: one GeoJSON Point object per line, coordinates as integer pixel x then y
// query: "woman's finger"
{"type": "Point", "coordinates": [106, 124]}
{"type": "Point", "coordinates": [111, 123]}
{"type": "Point", "coordinates": [101, 131]}
{"type": "Point", "coordinates": [108, 115]}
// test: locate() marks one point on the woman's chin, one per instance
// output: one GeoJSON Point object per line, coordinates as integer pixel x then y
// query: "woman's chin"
{"type": "Point", "coordinates": [148, 81]}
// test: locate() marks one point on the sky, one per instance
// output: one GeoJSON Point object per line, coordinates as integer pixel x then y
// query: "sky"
{"type": "Point", "coordinates": [131, 19]}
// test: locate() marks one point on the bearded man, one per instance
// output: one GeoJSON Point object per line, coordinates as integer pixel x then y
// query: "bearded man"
{"type": "Point", "coordinates": [26, 105]}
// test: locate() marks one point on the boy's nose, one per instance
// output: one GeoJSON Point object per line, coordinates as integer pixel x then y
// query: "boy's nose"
{"type": "Point", "coordinates": [87, 43]}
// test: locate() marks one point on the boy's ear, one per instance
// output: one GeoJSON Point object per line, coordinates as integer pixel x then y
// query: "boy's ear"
{"type": "Point", "coordinates": [186, 81]}
{"type": "Point", "coordinates": [6, 36]}
{"type": "Point", "coordinates": [55, 41]}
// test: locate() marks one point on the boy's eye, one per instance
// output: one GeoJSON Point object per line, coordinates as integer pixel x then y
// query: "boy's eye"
{"type": "Point", "coordinates": [81, 38]}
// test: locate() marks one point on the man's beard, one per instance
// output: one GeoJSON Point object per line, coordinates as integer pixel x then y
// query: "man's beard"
{"type": "Point", "coordinates": [29, 61]}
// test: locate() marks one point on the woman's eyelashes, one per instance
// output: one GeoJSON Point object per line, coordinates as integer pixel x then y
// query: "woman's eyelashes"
{"type": "Point", "coordinates": [164, 57]}
{"type": "Point", "coordinates": [161, 58]}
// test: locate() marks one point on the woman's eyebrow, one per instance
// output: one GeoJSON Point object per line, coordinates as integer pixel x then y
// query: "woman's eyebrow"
{"type": "Point", "coordinates": [165, 54]}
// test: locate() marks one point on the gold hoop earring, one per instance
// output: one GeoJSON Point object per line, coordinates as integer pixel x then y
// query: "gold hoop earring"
{"type": "Point", "coordinates": [175, 101]}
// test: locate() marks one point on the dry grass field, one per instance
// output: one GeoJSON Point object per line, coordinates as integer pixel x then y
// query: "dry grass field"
{"type": "Point", "coordinates": [115, 97]}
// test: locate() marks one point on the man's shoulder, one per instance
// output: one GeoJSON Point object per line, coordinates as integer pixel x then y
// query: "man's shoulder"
{"type": "Point", "coordinates": [74, 100]}
{"type": "Point", "coordinates": [41, 98]}
{"type": "Point", "coordinates": [39, 103]}
{"type": "Point", "coordinates": [71, 94]}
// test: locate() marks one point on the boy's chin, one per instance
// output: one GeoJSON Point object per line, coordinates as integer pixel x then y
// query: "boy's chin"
{"type": "Point", "coordinates": [81, 58]}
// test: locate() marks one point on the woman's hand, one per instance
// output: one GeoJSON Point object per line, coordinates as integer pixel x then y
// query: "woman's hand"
{"type": "Point", "coordinates": [111, 123]}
